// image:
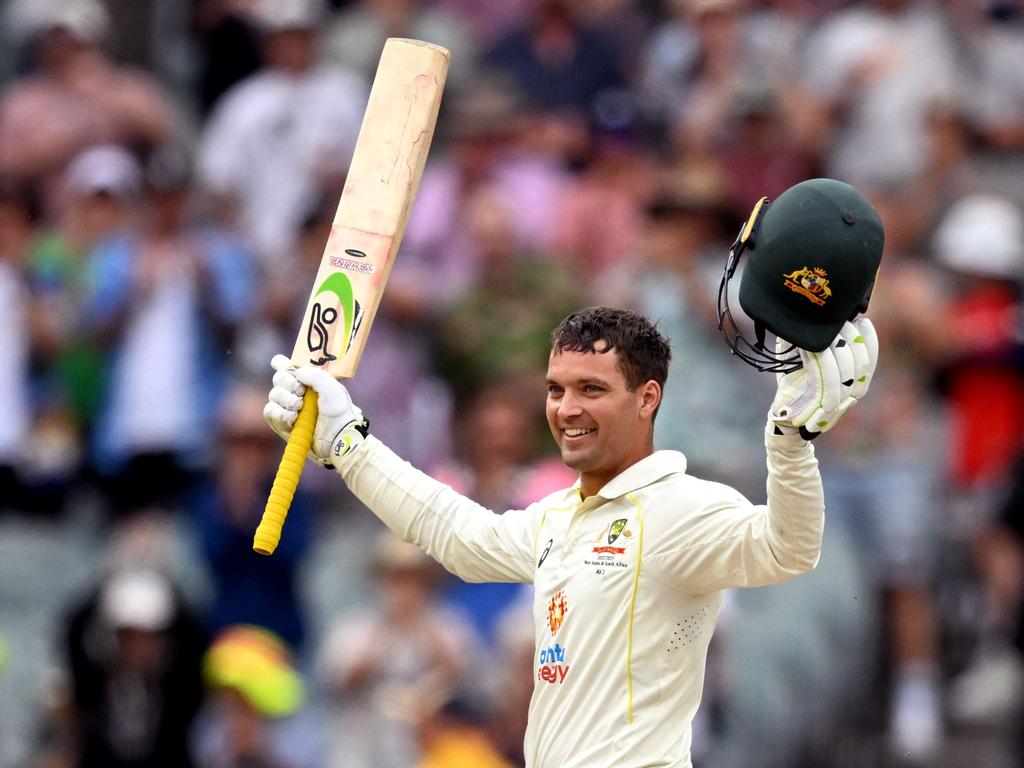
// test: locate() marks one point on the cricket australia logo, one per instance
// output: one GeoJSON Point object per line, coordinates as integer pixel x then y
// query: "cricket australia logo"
{"type": "Point", "coordinates": [810, 283]}
{"type": "Point", "coordinates": [610, 534]}
{"type": "Point", "coordinates": [616, 529]}
{"type": "Point", "coordinates": [324, 316]}
{"type": "Point", "coordinates": [558, 606]}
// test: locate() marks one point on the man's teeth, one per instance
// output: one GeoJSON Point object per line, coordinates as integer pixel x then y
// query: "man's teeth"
{"type": "Point", "coordinates": [577, 432]}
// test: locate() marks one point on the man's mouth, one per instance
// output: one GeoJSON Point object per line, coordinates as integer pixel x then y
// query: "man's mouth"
{"type": "Point", "coordinates": [577, 432]}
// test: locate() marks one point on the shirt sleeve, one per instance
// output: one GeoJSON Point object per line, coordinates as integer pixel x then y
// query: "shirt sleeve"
{"type": "Point", "coordinates": [728, 542]}
{"type": "Point", "coordinates": [470, 541]}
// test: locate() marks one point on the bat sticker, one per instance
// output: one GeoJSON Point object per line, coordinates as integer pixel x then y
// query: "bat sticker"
{"type": "Point", "coordinates": [319, 319]}
{"type": "Point", "coordinates": [318, 333]}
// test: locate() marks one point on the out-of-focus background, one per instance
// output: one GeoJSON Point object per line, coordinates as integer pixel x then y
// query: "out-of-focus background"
{"type": "Point", "coordinates": [168, 174]}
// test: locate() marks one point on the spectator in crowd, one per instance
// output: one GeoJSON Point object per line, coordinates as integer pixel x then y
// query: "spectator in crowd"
{"type": "Point", "coordinates": [453, 734]}
{"type": "Point", "coordinates": [625, 24]}
{"type": "Point", "coordinates": [981, 241]}
{"type": "Point", "coordinates": [512, 685]}
{"type": "Point", "coordinates": [229, 43]}
{"type": "Point", "coordinates": [882, 490]}
{"type": "Point", "coordinates": [15, 344]}
{"type": "Point", "coordinates": [786, 680]}
{"type": "Point", "coordinates": [499, 329]}
{"type": "Point", "coordinates": [707, 56]}
{"type": "Point", "coordinates": [487, 21]}
{"type": "Point", "coordinates": [378, 664]}
{"type": "Point", "coordinates": [990, 41]}
{"type": "Point", "coordinates": [879, 67]}
{"type": "Point", "coordinates": [283, 135]}
{"type": "Point", "coordinates": [134, 651]}
{"type": "Point", "coordinates": [761, 152]}
{"type": "Point", "coordinates": [1010, 537]}
{"type": "Point", "coordinates": [355, 35]}
{"type": "Point", "coordinates": [488, 127]}
{"type": "Point", "coordinates": [99, 198]}
{"type": "Point", "coordinates": [165, 297]}
{"type": "Point", "coordinates": [253, 717]}
{"type": "Point", "coordinates": [75, 95]}
{"type": "Point", "coordinates": [250, 590]}
{"type": "Point", "coordinates": [563, 68]}
{"type": "Point", "coordinates": [601, 215]}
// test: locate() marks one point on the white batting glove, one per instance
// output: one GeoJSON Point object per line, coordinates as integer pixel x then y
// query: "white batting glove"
{"type": "Point", "coordinates": [813, 399]}
{"type": "Point", "coordinates": [340, 425]}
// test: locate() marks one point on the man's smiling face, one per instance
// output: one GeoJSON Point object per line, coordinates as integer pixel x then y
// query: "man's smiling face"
{"type": "Point", "coordinates": [601, 426]}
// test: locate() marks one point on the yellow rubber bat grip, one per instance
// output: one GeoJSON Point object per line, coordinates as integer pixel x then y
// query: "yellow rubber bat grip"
{"type": "Point", "coordinates": [268, 534]}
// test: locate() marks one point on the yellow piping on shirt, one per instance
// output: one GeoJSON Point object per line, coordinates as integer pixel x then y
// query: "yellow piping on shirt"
{"type": "Point", "coordinates": [632, 607]}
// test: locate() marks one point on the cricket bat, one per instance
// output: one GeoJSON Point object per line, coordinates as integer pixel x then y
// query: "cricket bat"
{"type": "Point", "coordinates": [382, 180]}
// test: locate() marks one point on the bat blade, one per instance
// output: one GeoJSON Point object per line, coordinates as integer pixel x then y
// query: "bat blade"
{"type": "Point", "coordinates": [380, 187]}
{"type": "Point", "coordinates": [379, 190]}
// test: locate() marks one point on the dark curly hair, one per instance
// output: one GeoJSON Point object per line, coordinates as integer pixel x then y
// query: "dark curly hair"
{"type": "Point", "coordinates": [644, 354]}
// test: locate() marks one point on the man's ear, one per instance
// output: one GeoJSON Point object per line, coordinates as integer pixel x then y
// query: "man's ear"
{"type": "Point", "coordinates": [651, 398]}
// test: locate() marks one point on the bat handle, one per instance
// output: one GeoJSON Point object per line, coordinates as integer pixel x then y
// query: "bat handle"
{"type": "Point", "coordinates": [268, 534]}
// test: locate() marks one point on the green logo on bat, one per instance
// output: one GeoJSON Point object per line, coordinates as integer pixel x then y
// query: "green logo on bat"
{"type": "Point", "coordinates": [322, 319]}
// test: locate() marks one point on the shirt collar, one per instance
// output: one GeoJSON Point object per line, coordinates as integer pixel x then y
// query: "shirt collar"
{"type": "Point", "coordinates": [648, 470]}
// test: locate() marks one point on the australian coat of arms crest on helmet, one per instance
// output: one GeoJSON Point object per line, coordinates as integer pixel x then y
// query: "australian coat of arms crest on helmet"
{"type": "Point", "coordinates": [810, 283]}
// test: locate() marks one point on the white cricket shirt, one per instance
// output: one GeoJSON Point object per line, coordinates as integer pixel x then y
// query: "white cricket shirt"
{"type": "Point", "coordinates": [627, 585]}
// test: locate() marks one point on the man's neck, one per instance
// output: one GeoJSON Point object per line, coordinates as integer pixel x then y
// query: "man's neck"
{"type": "Point", "coordinates": [592, 483]}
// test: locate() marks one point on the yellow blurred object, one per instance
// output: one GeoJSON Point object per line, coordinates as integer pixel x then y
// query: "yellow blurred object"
{"type": "Point", "coordinates": [3, 655]}
{"type": "Point", "coordinates": [461, 748]}
{"type": "Point", "coordinates": [258, 665]}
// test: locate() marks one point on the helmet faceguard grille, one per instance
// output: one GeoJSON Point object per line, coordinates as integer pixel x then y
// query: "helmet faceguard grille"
{"type": "Point", "coordinates": [754, 353]}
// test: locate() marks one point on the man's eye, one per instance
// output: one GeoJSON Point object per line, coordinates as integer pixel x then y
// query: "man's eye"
{"type": "Point", "coordinates": [593, 388]}
{"type": "Point", "coordinates": [553, 390]}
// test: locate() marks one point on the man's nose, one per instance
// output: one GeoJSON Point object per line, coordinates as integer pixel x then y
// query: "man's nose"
{"type": "Point", "coordinates": [569, 405]}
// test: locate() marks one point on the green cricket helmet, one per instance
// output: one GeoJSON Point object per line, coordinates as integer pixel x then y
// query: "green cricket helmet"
{"type": "Point", "coordinates": [812, 256]}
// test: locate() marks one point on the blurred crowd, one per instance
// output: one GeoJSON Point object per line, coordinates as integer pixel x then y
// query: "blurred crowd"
{"type": "Point", "coordinates": [168, 176]}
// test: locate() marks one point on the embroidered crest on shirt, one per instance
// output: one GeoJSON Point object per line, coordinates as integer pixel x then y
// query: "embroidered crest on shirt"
{"type": "Point", "coordinates": [611, 534]}
{"type": "Point", "coordinates": [605, 553]}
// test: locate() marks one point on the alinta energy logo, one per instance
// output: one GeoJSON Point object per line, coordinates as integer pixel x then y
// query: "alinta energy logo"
{"type": "Point", "coordinates": [558, 606]}
{"type": "Point", "coordinates": [552, 660]}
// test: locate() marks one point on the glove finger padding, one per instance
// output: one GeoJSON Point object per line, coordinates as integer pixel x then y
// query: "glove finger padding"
{"type": "Point", "coordinates": [280, 419]}
{"type": "Point", "coordinates": [285, 398]}
{"type": "Point", "coordinates": [816, 397]}
{"type": "Point", "coordinates": [864, 343]}
{"type": "Point", "coordinates": [856, 382]}
{"type": "Point", "coordinates": [830, 377]}
{"type": "Point", "coordinates": [286, 380]}
{"type": "Point", "coordinates": [823, 421]}
{"type": "Point", "coordinates": [805, 393]}
{"type": "Point", "coordinates": [340, 424]}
